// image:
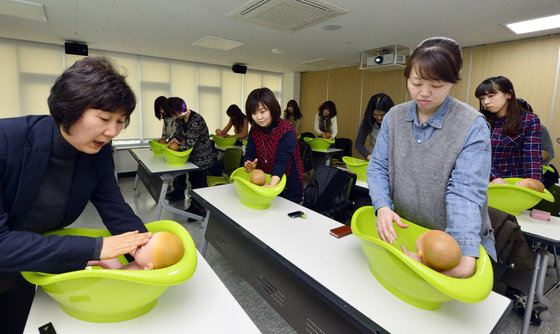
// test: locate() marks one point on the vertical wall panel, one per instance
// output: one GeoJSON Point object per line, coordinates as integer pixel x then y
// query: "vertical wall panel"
{"type": "Point", "coordinates": [313, 93]}
{"type": "Point", "coordinates": [345, 91]}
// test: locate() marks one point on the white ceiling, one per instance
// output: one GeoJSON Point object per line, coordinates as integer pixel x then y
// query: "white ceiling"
{"type": "Point", "coordinates": [167, 28]}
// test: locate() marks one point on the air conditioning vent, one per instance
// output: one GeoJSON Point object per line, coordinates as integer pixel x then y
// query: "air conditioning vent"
{"type": "Point", "coordinates": [288, 15]}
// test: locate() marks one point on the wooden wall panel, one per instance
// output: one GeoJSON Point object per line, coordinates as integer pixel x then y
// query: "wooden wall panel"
{"type": "Point", "coordinates": [392, 83]}
{"type": "Point", "coordinates": [344, 90]}
{"type": "Point", "coordinates": [459, 91]}
{"type": "Point", "coordinates": [530, 65]}
{"type": "Point", "coordinates": [554, 129]}
{"type": "Point", "coordinates": [313, 93]}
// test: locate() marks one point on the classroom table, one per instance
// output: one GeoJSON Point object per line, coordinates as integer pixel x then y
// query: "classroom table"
{"type": "Point", "coordinates": [150, 164]}
{"type": "Point", "coordinates": [320, 283]}
{"type": "Point", "coordinates": [201, 305]}
{"type": "Point", "coordinates": [327, 154]}
{"type": "Point", "coordinates": [545, 234]}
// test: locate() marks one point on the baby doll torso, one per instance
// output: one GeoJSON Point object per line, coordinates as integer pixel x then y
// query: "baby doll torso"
{"type": "Point", "coordinates": [163, 250]}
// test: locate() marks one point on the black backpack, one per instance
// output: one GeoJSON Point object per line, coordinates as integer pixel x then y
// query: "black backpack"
{"type": "Point", "coordinates": [306, 155]}
{"type": "Point", "coordinates": [328, 192]}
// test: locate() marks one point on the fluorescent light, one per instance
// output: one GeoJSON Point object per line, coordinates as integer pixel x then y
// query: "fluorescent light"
{"type": "Point", "coordinates": [23, 9]}
{"type": "Point", "coordinates": [543, 23]}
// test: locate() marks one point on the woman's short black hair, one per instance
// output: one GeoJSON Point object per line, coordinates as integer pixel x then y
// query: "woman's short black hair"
{"type": "Point", "coordinates": [436, 58]}
{"type": "Point", "coordinates": [266, 97]}
{"type": "Point", "coordinates": [381, 102]}
{"type": "Point", "coordinates": [175, 107]}
{"type": "Point", "coordinates": [92, 82]}
{"type": "Point", "coordinates": [160, 103]}
{"type": "Point", "coordinates": [330, 106]}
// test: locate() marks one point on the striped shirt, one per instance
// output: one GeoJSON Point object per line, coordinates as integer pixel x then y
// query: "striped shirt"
{"type": "Point", "coordinates": [277, 152]}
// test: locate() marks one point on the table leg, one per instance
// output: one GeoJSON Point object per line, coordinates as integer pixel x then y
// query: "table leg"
{"type": "Point", "coordinates": [531, 294]}
{"type": "Point", "coordinates": [162, 193]}
{"type": "Point", "coordinates": [557, 266]}
{"type": "Point", "coordinates": [136, 179]}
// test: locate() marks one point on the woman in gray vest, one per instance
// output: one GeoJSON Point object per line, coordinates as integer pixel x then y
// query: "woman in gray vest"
{"type": "Point", "coordinates": [431, 162]}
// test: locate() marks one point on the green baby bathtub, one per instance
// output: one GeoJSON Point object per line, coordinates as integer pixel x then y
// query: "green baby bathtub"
{"type": "Point", "coordinates": [176, 158]}
{"type": "Point", "coordinates": [319, 144]}
{"type": "Point", "coordinates": [156, 147]}
{"type": "Point", "coordinates": [356, 166]}
{"type": "Point", "coordinates": [223, 142]}
{"type": "Point", "coordinates": [106, 295]}
{"type": "Point", "coordinates": [410, 280]}
{"type": "Point", "coordinates": [253, 196]}
{"type": "Point", "coordinates": [514, 199]}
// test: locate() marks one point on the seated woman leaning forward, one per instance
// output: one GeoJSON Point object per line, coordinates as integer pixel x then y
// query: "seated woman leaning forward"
{"type": "Point", "coordinates": [163, 250]}
{"type": "Point", "coordinates": [516, 133]}
{"type": "Point", "coordinates": [431, 162]}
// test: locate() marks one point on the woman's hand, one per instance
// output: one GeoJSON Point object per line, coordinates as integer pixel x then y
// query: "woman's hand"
{"type": "Point", "coordinates": [368, 157]}
{"type": "Point", "coordinates": [498, 180]}
{"type": "Point", "coordinates": [384, 224]}
{"type": "Point", "coordinates": [218, 131]}
{"type": "Point", "coordinates": [250, 165]}
{"type": "Point", "coordinates": [121, 244]}
{"type": "Point", "coordinates": [464, 269]}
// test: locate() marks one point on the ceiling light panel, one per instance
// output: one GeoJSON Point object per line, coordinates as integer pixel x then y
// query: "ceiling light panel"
{"type": "Point", "coordinates": [23, 9]}
{"type": "Point", "coordinates": [217, 43]}
{"type": "Point", "coordinates": [543, 23]}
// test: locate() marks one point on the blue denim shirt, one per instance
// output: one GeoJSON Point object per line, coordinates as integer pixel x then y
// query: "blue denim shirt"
{"type": "Point", "coordinates": [468, 184]}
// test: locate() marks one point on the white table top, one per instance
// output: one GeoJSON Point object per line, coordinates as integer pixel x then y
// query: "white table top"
{"type": "Point", "coordinates": [329, 150]}
{"type": "Point", "coordinates": [545, 230]}
{"type": "Point", "coordinates": [156, 164]}
{"type": "Point", "coordinates": [340, 266]}
{"type": "Point", "coordinates": [201, 305]}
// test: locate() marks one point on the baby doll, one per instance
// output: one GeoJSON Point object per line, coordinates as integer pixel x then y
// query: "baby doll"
{"type": "Point", "coordinates": [163, 250]}
{"type": "Point", "coordinates": [437, 250]}
{"type": "Point", "coordinates": [532, 184]}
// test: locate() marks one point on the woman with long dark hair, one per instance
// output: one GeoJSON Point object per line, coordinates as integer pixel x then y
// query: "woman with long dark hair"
{"type": "Point", "coordinates": [378, 106]}
{"type": "Point", "coordinates": [293, 115]}
{"type": "Point", "coordinates": [239, 122]}
{"type": "Point", "coordinates": [431, 162]}
{"type": "Point", "coordinates": [516, 133]}
{"type": "Point", "coordinates": [325, 121]}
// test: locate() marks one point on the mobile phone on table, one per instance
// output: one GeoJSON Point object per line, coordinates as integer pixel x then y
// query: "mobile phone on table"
{"type": "Point", "coordinates": [47, 329]}
{"type": "Point", "coordinates": [296, 214]}
{"type": "Point", "coordinates": [539, 214]}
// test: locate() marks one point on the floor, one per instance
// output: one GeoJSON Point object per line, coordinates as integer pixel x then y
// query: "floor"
{"type": "Point", "coordinates": [262, 314]}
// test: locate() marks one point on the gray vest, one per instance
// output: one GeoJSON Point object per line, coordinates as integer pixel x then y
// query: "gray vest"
{"type": "Point", "coordinates": [418, 186]}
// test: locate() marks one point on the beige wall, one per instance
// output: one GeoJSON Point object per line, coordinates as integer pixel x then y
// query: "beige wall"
{"type": "Point", "coordinates": [531, 65]}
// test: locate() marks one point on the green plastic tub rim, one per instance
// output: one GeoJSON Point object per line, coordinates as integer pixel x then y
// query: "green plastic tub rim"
{"type": "Point", "coordinates": [176, 158]}
{"type": "Point", "coordinates": [239, 175]}
{"type": "Point", "coordinates": [496, 202]}
{"type": "Point", "coordinates": [223, 142]}
{"type": "Point", "coordinates": [172, 275]}
{"type": "Point", "coordinates": [470, 290]}
{"type": "Point", "coordinates": [156, 147]}
{"type": "Point", "coordinates": [317, 142]}
{"type": "Point", "coordinates": [357, 166]}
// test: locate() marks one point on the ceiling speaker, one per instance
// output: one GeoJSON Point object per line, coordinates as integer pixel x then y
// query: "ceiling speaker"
{"type": "Point", "coordinates": [79, 49]}
{"type": "Point", "coordinates": [238, 68]}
